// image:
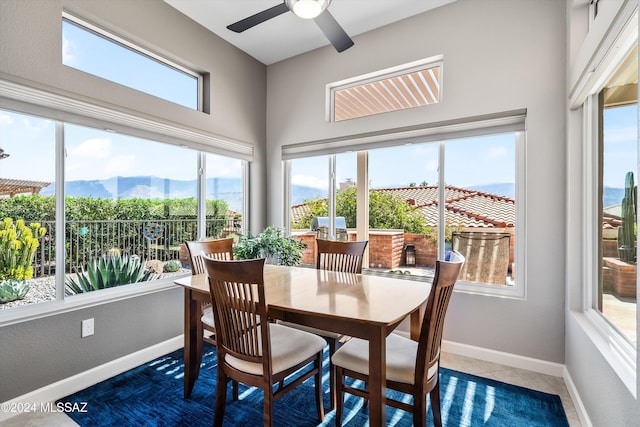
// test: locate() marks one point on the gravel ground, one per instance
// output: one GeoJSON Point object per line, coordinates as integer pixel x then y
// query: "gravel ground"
{"type": "Point", "coordinates": [43, 289]}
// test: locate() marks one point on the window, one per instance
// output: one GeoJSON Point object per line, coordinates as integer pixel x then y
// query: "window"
{"type": "Point", "coordinates": [95, 51]}
{"type": "Point", "coordinates": [224, 196]}
{"type": "Point", "coordinates": [27, 145]}
{"type": "Point", "coordinates": [125, 197]}
{"type": "Point", "coordinates": [413, 219]}
{"type": "Point", "coordinates": [617, 186]}
{"type": "Point", "coordinates": [407, 86]}
{"type": "Point", "coordinates": [608, 97]}
{"type": "Point", "coordinates": [125, 202]}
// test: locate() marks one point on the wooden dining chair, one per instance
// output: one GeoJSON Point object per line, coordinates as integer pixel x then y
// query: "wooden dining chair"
{"type": "Point", "coordinates": [344, 257]}
{"type": "Point", "coordinates": [412, 367]}
{"type": "Point", "coordinates": [255, 353]}
{"type": "Point", "coordinates": [220, 249]}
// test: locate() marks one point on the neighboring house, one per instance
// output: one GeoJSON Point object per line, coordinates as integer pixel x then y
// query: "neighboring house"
{"type": "Point", "coordinates": [464, 207]}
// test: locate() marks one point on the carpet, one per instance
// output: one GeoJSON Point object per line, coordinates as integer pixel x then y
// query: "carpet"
{"type": "Point", "coordinates": [151, 395]}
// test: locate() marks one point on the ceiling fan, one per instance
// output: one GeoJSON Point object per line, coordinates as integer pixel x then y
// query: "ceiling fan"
{"type": "Point", "coordinates": [307, 9]}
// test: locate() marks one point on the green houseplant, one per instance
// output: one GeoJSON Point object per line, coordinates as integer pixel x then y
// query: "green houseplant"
{"type": "Point", "coordinates": [272, 245]}
{"type": "Point", "coordinates": [18, 244]}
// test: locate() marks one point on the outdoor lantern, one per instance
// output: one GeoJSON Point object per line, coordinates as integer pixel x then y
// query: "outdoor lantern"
{"type": "Point", "coordinates": [410, 255]}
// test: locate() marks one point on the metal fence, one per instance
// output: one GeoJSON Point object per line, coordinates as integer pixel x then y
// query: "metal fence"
{"type": "Point", "coordinates": [149, 240]}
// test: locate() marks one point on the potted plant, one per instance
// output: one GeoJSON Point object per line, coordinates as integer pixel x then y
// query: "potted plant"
{"type": "Point", "coordinates": [272, 245]}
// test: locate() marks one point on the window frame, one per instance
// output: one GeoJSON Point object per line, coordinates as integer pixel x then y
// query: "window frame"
{"type": "Point", "coordinates": [140, 50]}
{"type": "Point", "coordinates": [388, 73]}
{"type": "Point", "coordinates": [62, 109]}
{"type": "Point", "coordinates": [508, 122]}
{"type": "Point", "coordinates": [615, 349]}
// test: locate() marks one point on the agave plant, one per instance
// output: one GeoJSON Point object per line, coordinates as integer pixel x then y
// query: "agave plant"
{"type": "Point", "coordinates": [12, 289]}
{"type": "Point", "coordinates": [108, 271]}
{"type": "Point", "coordinates": [172, 266]}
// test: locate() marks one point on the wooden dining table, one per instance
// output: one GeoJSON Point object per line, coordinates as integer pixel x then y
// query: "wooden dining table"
{"type": "Point", "coordinates": [364, 306]}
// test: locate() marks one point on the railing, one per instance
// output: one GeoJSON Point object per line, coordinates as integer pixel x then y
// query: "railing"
{"type": "Point", "coordinates": [149, 240]}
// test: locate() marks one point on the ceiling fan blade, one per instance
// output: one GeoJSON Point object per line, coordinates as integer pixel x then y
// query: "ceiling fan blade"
{"type": "Point", "coordinates": [334, 32]}
{"type": "Point", "coordinates": [258, 18]}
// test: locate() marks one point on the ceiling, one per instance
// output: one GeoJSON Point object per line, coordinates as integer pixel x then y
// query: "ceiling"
{"type": "Point", "coordinates": [287, 35]}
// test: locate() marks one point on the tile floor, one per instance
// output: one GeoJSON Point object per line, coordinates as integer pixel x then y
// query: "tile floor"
{"type": "Point", "coordinates": [521, 377]}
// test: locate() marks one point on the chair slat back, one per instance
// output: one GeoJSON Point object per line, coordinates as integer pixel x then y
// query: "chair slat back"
{"type": "Point", "coordinates": [221, 249]}
{"type": "Point", "coordinates": [446, 275]}
{"type": "Point", "coordinates": [340, 256]}
{"type": "Point", "coordinates": [237, 295]}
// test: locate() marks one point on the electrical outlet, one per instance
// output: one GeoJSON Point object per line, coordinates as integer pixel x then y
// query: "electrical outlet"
{"type": "Point", "coordinates": [87, 327]}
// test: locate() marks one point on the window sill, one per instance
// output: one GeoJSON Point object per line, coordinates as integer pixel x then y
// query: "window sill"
{"type": "Point", "coordinates": [620, 355]}
{"type": "Point", "coordinates": [78, 302]}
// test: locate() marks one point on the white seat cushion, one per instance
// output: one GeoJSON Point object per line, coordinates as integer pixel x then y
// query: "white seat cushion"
{"type": "Point", "coordinates": [289, 347]}
{"type": "Point", "coordinates": [321, 332]}
{"type": "Point", "coordinates": [401, 358]}
{"type": "Point", "coordinates": [207, 316]}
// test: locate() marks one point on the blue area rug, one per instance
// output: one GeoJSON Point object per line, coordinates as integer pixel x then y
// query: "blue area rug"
{"type": "Point", "coordinates": [151, 395]}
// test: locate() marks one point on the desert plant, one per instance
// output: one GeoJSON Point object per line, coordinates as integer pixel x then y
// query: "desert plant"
{"type": "Point", "coordinates": [107, 272]}
{"type": "Point", "coordinates": [626, 232]}
{"type": "Point", "coordinates": [172, 266]}
{"type": "Point", "coordinates": [18, 244]}
{"type": "Point", "coordinates": [270, 244]}
{"type": "Point", "coordinates": [12, 289]}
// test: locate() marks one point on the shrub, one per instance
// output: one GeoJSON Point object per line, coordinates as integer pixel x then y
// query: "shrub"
{"type": "Point", "coordinates": [107, 272]}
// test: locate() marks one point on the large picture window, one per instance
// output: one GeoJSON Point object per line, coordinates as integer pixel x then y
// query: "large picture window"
{"type": "Point", "coordinates": [424, 199]}
{"type": "Point", "coordinates": [125, 208]}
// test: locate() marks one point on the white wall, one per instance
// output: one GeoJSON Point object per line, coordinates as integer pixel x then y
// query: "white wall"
{"type": "Point", "coordinates": [588, 359]}
{"type": "Point", "coordinates": [498, 56]}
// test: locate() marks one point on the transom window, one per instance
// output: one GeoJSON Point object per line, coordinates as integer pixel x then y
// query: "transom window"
{"type": "Point", "coordinates": [88, 48]}
{"type": "Point", "coordinates": [407, 86]}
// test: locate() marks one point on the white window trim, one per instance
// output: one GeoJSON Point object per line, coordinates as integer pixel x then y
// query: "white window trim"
{"type": "Point", "coordinates": [104, 296]}
{"type": "Point", "coordinates": [613, 346]}
{"type": "Point", "coordinates": [28, 100]}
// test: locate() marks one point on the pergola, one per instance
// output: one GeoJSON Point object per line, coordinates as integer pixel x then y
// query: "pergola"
{"type": "Point", "coordinates": [11, 187]}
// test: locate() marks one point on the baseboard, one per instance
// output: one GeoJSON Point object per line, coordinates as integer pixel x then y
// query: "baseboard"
{"type": "Point", "coordinates": [507, 359]}
{"type": "Point", "coordinates": [90, 377]}
{"type": "Point", "coordinates": [581, 411]}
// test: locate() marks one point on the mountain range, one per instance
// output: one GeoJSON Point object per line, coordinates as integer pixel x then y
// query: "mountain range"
{"type": "Point", "coordinates": [230, 190]}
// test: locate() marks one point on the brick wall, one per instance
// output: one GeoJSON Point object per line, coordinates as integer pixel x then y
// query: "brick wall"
{"type": "Point", "coordinates": [386, 249]}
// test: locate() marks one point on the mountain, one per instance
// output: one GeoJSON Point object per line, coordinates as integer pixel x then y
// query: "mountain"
{"type": "Point", "coordinates": [612, 196]}
{"type": "Point", "coordinates": [150, 187]}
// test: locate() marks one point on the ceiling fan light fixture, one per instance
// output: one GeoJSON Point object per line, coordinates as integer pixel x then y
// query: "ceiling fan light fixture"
{"type": "Point", "coordinates": [307, 9]}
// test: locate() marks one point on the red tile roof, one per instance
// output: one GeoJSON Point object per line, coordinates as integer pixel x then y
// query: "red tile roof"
{"type": "Point", "coordinates": [463, 207]}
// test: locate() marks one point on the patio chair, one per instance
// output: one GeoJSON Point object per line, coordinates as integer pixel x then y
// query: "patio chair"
{"type": "Point", "coordinates": [486, 254]}
{"type": "Point", "coordinates": [247, 349]}
{"type": "Point", "coordinates": [344, 257]}
{"type": "Point", "coordinates": [412, 367]}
